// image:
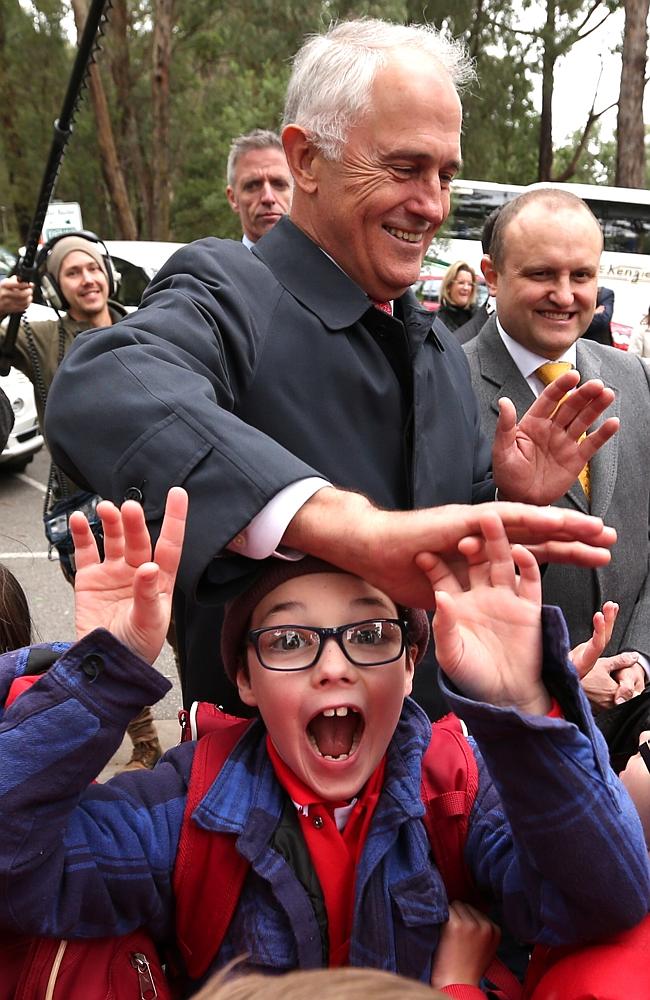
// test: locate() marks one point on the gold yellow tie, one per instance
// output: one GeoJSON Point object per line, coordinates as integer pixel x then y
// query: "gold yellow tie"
{"type": "Point", "coordinates": [547, 373]}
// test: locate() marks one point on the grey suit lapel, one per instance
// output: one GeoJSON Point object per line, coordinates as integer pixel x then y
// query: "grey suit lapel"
{"type": "Point", "coordinates": [498, 369]}
{"type": "Point", "coordinates": [603, 467]}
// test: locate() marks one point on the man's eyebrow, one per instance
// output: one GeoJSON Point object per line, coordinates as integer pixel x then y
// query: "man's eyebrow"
{"type": "Point", "coordinates": [419, 153]}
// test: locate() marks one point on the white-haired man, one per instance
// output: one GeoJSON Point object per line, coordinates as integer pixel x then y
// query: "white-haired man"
{"type": "Point", "coordinates": [259, 182]}
{"type": "Point", "coordinates": [297, 391]}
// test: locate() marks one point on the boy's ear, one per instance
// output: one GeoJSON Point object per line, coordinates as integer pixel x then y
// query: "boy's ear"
{"type": "Point", "coordinates": [244, 686]}
{"type": "Point", "coordinates": [411, 653]}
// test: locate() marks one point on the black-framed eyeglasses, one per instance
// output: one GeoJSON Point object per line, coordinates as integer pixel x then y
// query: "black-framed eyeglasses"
{"type": "Point", "coordinates": [369, 643]}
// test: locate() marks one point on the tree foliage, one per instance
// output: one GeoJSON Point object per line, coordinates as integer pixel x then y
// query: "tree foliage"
{"type": "Point", "coordinates": [181, 79]}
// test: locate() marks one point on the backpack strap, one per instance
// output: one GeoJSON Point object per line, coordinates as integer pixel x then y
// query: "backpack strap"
{"type": "Point", "coordinates": [449, 787]}
{"type": "Point", "coordinates": [208, 872]}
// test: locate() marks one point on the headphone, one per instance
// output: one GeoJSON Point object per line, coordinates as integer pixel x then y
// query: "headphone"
{"type": "Point", "coordinates": [49, 285]}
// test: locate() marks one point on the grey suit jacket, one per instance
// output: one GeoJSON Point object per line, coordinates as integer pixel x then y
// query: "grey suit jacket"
{"type": "Point", "coordinates": [620, 484]}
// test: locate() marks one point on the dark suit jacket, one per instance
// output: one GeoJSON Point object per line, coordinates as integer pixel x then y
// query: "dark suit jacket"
{"type": "Point", "coordinates": [620, 485]}
{"type": "Point", "coordinates": [245, 371]}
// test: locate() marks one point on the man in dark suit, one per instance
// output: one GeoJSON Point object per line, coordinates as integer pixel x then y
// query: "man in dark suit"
{"type": "Point", "coordinates": [544, 278]}
{"type": "Point", "coordinates": [297, 390]}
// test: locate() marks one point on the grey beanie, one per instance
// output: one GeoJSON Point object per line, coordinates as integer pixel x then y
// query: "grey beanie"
{"type": "Point", "coordinates": [65, 246]}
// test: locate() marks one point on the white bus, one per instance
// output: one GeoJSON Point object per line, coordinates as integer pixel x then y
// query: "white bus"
{"type": "Point", "coordinates": [624, 214]}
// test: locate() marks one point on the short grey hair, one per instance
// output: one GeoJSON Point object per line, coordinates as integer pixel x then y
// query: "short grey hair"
{"type": "Point", "coordinates": [333, 73]}
{"type": "Point", "coordinates": [259, 138]}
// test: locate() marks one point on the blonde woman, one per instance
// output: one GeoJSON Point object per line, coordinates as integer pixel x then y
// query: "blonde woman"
{"type": "Point", "coordinates": [457, 295]}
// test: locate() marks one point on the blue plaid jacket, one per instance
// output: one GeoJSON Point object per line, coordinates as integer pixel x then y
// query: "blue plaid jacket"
{"type": "Point", "coordinates": [553, 837]}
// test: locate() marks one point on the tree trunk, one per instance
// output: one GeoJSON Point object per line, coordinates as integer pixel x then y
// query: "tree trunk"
{"type": "Point", "coordinates": [13, 144]}
{"type": "Point", "coordinates": [545, 160]}
{"type": "Point", "coordinates": [630, 132]}
{"type": "Point", "coordinates": [111, 169]}
{"type": "Point", "coordinates": [162, 47]}
{"type": "Point", "coordinates": [128, 138]}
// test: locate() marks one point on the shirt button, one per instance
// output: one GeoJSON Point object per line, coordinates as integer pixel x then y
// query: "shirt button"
{"type": "Point", "coordinates": [133, 493]}
{"type": "Point", "coordinates": [318, 822]}
{"type": "Point", "coordinates": [92, 666]}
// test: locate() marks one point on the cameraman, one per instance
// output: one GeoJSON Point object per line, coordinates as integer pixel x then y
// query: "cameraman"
{"type": "Point", "coordinates": [76, 278]}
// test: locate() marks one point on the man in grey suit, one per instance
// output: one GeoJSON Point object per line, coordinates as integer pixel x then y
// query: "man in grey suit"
{"type": "Point", "coordinates": [543, 271]}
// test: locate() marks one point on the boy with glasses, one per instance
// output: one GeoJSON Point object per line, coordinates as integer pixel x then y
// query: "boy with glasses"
{"type": "Point", "coordinates": [323, 793]}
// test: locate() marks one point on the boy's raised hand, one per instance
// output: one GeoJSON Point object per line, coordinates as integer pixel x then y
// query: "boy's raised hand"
{"type": "Point", "coordinates": [127, 593]}
{"type": "Point", "coordinates": [487, 623]}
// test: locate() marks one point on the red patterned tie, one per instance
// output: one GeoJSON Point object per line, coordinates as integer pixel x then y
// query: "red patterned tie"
{"type": "Point", "coordinates": [386, 307]}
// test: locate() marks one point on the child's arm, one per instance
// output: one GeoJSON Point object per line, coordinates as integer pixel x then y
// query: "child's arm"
{"type": "Point", "coordinates": [127, 593]}
{"type": "Point", "coordinates": [549, 811]}
{"type": "Point", "coordinates": [468, 943]}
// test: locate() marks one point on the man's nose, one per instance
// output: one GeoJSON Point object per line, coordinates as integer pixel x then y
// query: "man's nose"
{"type": "Point", "coordinates": [562, 293]}
{"type": "Point", "coordinates": [268, 194]}
{"type": "Point", "coordinates": [429, 202]}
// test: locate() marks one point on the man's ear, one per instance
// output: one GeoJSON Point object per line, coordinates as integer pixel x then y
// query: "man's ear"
{"type": "Point", "coordinates": [230, 195]}
{"type": "Point", "coordinates": [411, 653]}
{"type": "Point", "coordinates": [244, 686]}
{"type": "Point", "coordinates": [490, 275]}
{"type": "Point", "coordinates": [300, 153]}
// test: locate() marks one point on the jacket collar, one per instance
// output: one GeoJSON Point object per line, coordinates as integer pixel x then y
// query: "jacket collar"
{"type": "Point", "coordinates": [313, 278]}
{"type": "Point", "coordinates": [247, 783]}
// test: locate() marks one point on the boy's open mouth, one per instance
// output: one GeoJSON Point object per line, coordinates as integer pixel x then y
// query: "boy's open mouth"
{"type": "Point", "coordinates": [336, 733]}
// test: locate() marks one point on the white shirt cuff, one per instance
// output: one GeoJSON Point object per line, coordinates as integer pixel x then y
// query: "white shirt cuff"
{"type": "Point", "coordinates": [645, 663]}
{"type": "Point", "coordinates": [262, 536]}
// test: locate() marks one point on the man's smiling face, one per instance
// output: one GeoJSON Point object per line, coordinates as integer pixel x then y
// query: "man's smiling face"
{"type": "Point", "coordinates": [379, 206]}
{"type": "Point", "coordinates": [84, 285]}
{"type": "Point", "coordinates": [333, 709]}
{"type": "Point", "coordinates": [547, 282]}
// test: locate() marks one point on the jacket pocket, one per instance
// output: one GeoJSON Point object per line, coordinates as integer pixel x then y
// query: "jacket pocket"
{"type": "Point", "coordinates": [419, 908]}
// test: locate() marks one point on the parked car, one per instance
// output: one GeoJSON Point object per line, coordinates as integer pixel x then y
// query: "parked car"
{"type": "Point", "coordinates": [7, 261]}
{"type": "Point", "coordinates": [137, 262]}
{"type": "Point", "coordinates": [26, 438]}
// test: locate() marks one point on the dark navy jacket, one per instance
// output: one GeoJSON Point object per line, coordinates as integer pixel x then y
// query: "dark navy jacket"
{"type": "Point", "coordinates": [244, 372]}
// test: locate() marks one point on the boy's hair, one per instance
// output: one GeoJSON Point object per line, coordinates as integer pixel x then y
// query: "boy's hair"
{"type": "Point", "coordinates": [326, 984]}
{"type": "Point", "coordinates": [15, 619]}
{"type": "Point", "coordinates": [238, 612]}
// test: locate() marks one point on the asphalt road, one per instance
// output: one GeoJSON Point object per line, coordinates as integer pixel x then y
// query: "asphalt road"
{"type": "Point", "coordinates": [23, 549]}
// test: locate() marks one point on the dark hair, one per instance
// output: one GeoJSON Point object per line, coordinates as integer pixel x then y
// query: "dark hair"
{"type": "Point", "coordinates": [488, 228]}
{"type": "Point", "coordinates": [15, 619]}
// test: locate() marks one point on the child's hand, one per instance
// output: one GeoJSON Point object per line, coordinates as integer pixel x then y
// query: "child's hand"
{"type": "Point", "coordinates": [488, 636]}
{"type": "Point", "coordinates": [127, 593]}
{"type": "Point", "coordinates": [468, 943]}
{"type": "Point", "coordinates": [585, 655]}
